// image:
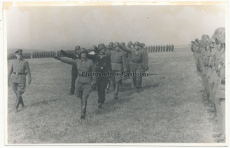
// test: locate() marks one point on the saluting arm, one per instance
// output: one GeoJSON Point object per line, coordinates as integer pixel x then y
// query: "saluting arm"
{"type": "Point", "coordinates": [28, 72]}
{"type": "Point", "coordinates": [126, 49]}
{"type": "Point", "coordinates": [69, 55]}
{"type": "Point", "coordinates": [68, 61]}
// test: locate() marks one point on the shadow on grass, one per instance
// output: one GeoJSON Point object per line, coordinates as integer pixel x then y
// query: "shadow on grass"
{"type": "Point", "coordinates": [44, 102]}
{"type": "Point", "coordinates": [146, 87]}
{"type": "Point", "coordinates": [113, 105]}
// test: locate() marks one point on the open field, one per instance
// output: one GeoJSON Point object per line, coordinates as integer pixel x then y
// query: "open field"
{"type": "Point", "coordinates": [169, 108]}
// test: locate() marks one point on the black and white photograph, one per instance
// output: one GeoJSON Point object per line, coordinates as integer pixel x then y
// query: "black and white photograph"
{"type": "Point", "coordinates": [115, 73]}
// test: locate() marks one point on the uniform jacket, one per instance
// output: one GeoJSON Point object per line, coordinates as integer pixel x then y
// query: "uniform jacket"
{"type": "Point", "coordinates": [19, 66]}
{"type": "Point", "coordinates": [74, 57]}
{"type": "Point", "coordinates": [102, 62]}
{"type": "Point", "coordinates": [83, 67]}
{"type": "Point", "coordinates": [135, 56]}
{"type": "Point", "coordinates": [118, 60]}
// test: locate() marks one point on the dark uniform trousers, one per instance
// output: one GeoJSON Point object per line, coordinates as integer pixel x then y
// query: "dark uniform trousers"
{"type": "Point", "coordinates": [102, 67]}
{"type": "Point", "coordinates": [136, 69]}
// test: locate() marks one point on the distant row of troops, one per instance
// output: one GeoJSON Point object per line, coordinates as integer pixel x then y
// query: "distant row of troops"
{"type": "Point", "coordinates": [160, 48]}
{"type": "Point", "coordinates": [96, 68]}
{"type": "Point", "coordinates": [50, 54]}
{"type": "Point", "coordinates": [209, 54]}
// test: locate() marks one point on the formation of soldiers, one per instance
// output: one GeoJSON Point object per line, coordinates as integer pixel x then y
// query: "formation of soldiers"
{"type": "Point", "coordinates": [160, 48]}
{"type": "Point", "coordinates": [209, 54]}
{"type": "Point", "coordinates": [51, 54]}
{"type": "Point", "coordinates": [92, 69]}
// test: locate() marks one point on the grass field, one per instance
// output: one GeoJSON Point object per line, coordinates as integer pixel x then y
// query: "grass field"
{"type": "Point", "coordinates": [169, 108]}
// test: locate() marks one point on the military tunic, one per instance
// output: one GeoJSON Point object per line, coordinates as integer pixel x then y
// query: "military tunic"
{"type": "Point", "coordinates": [18, 71]}
{"type": "Point", "coordinates": [84, 79]}
{"type": "Point", "coordinates": [137, 65]}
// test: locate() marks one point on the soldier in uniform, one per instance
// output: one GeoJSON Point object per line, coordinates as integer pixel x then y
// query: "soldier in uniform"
{"type": "Point", "coordinates": [85, 82]}
{"type": "Point", "coordinates": [172, 47]}
{"type": "Point", "coordinates": [74, 72]}
{"type": "Point", "coordinates": [118, 65]}
{"type": "Point", "coordinates": [102, 68]}
{"type": "Point", "coordinates": [18, 71]}
{"type": "Point", "coordinates": [146, 67]}
{"type": "Point", "coordinates": [137, 58]}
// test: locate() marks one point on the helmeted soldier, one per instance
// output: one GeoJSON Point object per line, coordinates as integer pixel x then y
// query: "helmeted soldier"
{"type": "Point", "coordinates": [137, 58]}
{"type": "Point", "coordinates": [18, 71]}
{"type": "Point", "coordinates": [85, 81]}
{"type": "Point", "coordinates": [118, 66]}
{"type": "Point", "coordinates": [74, 73]}
{"type": "Point", "coordinates": [102, 68]}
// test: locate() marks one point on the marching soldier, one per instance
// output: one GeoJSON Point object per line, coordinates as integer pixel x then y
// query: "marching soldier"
{"type": "Point", "coordinates": [85, 82]}
{"type": "Point", "coordinates": [18, 71]}
{"type": "Point", "coordinates": [172, 47]}
{"type": "Point", "coordinates": [145, 68]}
{"type": "Point", "coordinates": [118, 65]}
{"type": "Point", "coordinates": [74, 72]}
{"type": "Point", "coordinates": [137, 58]}
{"type": "Point", "coordinates": [102, 67]}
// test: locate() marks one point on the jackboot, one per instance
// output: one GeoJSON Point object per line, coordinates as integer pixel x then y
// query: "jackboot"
{"type": "Point", "coordinates": [83, 109]}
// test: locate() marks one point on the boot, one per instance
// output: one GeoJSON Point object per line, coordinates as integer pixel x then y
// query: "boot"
{"type": "Point", "coordinates": [83, 109]}
{"type": "Point", "coordinates": [21, 101]}
{"type": "Point", "coordinates": [17, 104]}
{"type": "Point", "coordinates": [100, 105]}
{"type": "Point", "coordinates": [116, 91]}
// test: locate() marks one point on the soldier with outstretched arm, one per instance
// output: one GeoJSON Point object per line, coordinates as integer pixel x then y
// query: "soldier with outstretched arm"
{"type": "Point", "coordinates": [137, 61]}
{"type": "Point", "coordinates": [75, 55]}
{"type": "Point", "coordinates": [85, 81]}
{"type": "Point", "coordinates": [18, 71]}
{"type": "Point", "coordinates": [102, 63]}
{"type": "Point", "coordinates": [118, 65]}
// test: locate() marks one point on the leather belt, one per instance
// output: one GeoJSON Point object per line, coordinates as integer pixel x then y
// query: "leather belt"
{"type": "Point", "coordinates": [19, 73]}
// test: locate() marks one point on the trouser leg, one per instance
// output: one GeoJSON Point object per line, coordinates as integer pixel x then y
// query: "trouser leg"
{"type": "Point", "coordinates": [101, 89]}
{"type": "Point", "coordinates": [138, 77]}
{"type": "Point", "coordinates": [73, 81]}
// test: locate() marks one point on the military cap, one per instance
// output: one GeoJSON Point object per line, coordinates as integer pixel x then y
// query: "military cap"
{"type": "Point", "coordinates": [101, 46]}
{"type": "Point", "coordinates": [77, 47]}
{"type": "Point", "coordinates": [216, 34]}
{"type": "Point", "coordinates": [137, 44]}
{"type": "Point", "coordinates": [19, 52]}
{"type": "Point", "coordinates": [111, 44]}
{"type": "Point", "coordinates": [116, 44]}
{"type": "Point", "coordinates": [108, 47]}
{"type": "Point", "coordinates": [221, 35]}
{"type": "Point", "coordinates": [122, 44]}
{"type": "Point", "coordinates": [83, 50]}
{"type": "Point", "coordinates": [130, 43]}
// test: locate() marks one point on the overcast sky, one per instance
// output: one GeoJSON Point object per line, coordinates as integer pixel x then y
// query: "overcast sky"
{"type": "Point", "coordinates": [55, 27]}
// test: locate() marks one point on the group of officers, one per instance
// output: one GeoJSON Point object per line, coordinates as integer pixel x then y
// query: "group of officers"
{"type": "Point", "coordinates": [91, 69]}
{"type": "Point", "coordinates": [160, 48]}
{"type": "Point", "coordinates": [209, 54]}
{"type": "Point", "coordinates": [98, 67]}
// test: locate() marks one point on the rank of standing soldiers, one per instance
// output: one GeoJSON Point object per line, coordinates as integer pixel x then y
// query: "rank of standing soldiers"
{"type": "Point", "coordinates": [209, 54]}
